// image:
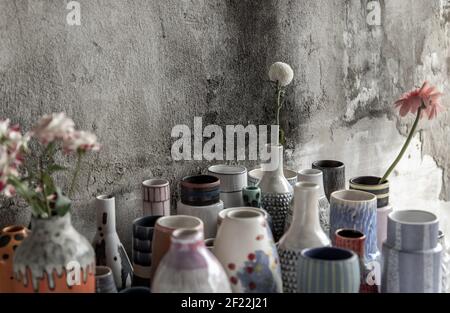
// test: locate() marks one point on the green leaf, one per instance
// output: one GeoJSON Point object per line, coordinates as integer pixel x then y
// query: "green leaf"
{"type": "Point", "coordinates": [62, 204]}
{"type": "Point", "coordinates": [48, 184]}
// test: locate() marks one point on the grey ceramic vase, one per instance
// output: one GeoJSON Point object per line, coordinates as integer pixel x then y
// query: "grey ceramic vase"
{"type": "Point", "coordinates": [412, 255]}
{"type": "Point", "coordinates": [104, 280]}
{"type": "Point", "coordinates": [333, 175]}
{"type": "Point", "coordinates": [304, 232]}
{"type": "Point", "coordinates": [445, 263]}
{"type": "Point", "coordinates": [276, 192]}
{"type": "Point", "coordinates": [314, 176]}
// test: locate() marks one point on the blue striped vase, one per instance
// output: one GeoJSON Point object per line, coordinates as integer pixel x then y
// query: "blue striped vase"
{"type": "Point", "coordinates": [328, 270]}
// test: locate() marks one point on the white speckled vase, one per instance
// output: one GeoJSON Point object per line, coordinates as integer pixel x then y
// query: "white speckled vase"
{"type": "Point", "coordinates": [54, 258]}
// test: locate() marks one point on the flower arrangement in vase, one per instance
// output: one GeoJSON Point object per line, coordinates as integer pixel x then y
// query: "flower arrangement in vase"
{"type": "Point", "coordinates": [54, 257]}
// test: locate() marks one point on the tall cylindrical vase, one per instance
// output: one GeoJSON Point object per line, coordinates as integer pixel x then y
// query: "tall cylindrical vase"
{"type": "Point", "coordinates": [109, 250]}
{"type": "Point", "coordinates": [412, 255]}
{"type": "Point", "coordinates": [276, 192]}
{"type": "Point", "coordinates": [304, 232]}
{"type": "Point", "coordinates": [445, 263]}
{"type": "Point", "coordinates": [156, 197]}
{"type": "Point", "coordinates": [232, 180]}
{"type": "Point", "coordinates": [333, 175]}
{"type": "Point", "coordinates": [54, 258]}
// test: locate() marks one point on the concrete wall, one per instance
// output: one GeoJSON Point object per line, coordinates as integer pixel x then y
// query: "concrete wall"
{"type": "Point", "coordinates": [134, 69]}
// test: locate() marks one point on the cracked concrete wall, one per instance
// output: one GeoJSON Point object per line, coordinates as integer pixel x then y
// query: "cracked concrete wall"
{"type": "Point", "coordinates": [134, 69]}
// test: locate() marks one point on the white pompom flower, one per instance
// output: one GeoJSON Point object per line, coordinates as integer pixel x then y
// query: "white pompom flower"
{"type": "Point", "coordinates": [282, 73]}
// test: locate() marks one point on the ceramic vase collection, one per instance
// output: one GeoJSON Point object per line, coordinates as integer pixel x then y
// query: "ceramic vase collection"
{"type": "Point", "coordinates": [10, 238]}
{"type": "Point", "coordinates": [412, 255]}
{"type": "Point", "coordinates": [245, 248]}
{"type": "Point", "coordinates": [381, 191]}
{"type": "Point", "coordinates": [328, 270]}
{"type": "Point", "coordinates": [251, 196]}
{"type": "Point", "coordinates": [200, 197]}
{"type": "Point", "coordinates": [156, 197]}
{"type": "Point", "coordinates": [104, 280]}
{"type": "Point", "coordinates": [54, 258]}
{"type": "Point", "coordinates": [189, 267]}
{"type": "Point", "coordinates": [276, 192]}
{"type": "Point", "coordinates": [304, 232]}
{"type": "Point", "coordinates": [255, 175]}
{"type": "Point", "coordinates": [356, 209]}
{"type": "Point", "coordinates": [143, 228]}
{"type": "Point", "coordinates": [445, 263]}
{"type": "Point", "coordinates": [162, 233]}
{"type": "Point", "coordinates": [109, 250]}
{"type": "Point", "coordinates": [333, 175]}
{"type": "Point", "coordinates": [232, 180]}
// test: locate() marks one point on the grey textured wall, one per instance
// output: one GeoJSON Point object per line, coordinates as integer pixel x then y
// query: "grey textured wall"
{"type": "Point", "coordinates": [134, 69]}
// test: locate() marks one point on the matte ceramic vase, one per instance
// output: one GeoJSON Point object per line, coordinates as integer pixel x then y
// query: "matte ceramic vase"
{"type": "Point", "coordinates": [104, 280]}
{"type": "Point", "coordinates": [412, 255]}
{"type": "Point", "coordinates": [143, 228]}
{"type": "Point", "coordinates": [316, 177]}
{"type": "Point", "coordinates": [208, 215]}
{"type": "Point", "coordinates": [54, 258]}
{"type": "Point", "coordinates": [255, 175]}
{"type": "Point", "coordinates": [445, 263]}
{"type": "Point", "coordinates": [251, 196]}
{"type": "Point", "coordinates": [109, 250]}
{"type": "Point", "coordinates": [189, 267]}
{"type": "Point", "coordinates": [304, 232]}
{"type": "Point", "coordinates": [356, 209]}
{"type": "Point", "coordinates": [232, 180]}
{"type": "Point", "coordinates": [245, 248]}
{"type": "Point", "coordinates": [222, 214]}
{"type": "Point", "coordinates": [276, 192]}
{"type": "Point", "coordinates": [333, 175]}
{"type": "Point", "coordinates": [162, 233]}
{"type": "Point", "coordinates": [328, 270]}
{"type": "Point", "coordinates": [10, 238]}
{"type": "Point", "coordinates": [156, 197]}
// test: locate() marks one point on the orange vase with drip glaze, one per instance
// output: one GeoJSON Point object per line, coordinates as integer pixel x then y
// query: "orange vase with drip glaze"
{"type": "Point", "coordinates": [10, 238]}
{"type": "Point", "coordinates": [54, 258]}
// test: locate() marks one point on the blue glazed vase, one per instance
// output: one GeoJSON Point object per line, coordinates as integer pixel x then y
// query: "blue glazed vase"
{"type": "Point", "coordinates": [328, 270]}
{"type": "Point", "coordinates": [354, 209]}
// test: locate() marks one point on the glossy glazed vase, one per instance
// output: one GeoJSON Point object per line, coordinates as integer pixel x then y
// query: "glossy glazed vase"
{"type": "Point", "coordinates": [245, 248]}
{"type": "Point", "coordinates": [328, 270]}
{"type": "Point", "coordinates": [222, 214]}
{"type": "Point", "coordinates": [232, 180]}
{"type": "Point", "coordinates": [143, 229]}
{"type": "Point", "coordinates": [276, 192]}
{"type": "Point", "coordinates": [162, 233]}
{"type": "Point", "coordinates": [109, 250]}
{"type": "Point", "coordinates": [251, 196]}
{"type": "Point", "coordinates": [304, 232]}
{"type": "Point", "coordinates": [445, 263]}
{"type": "Point", "coordinates": [190, 267]}
{"type": "Point", "coordinates": [54, 258]}
{"type": "Point", "coordinates": [104, 280]}
{"type": "Point", "coordinates": [412, 255]}
{"type": "Point", "coordinates": [316, 177]}
{"type": "Point", "coordinates": [200, 197]}
{"type": "Point", "coordinates": [10, 238]}
{"type": "Point", "coordinates": [333, 175]}
{"type": "Point", "coordinates": [381, 191]}
{"type": "Point", "coordinates": [356, 209]}
{"type": "Point", "coordinates": [156, 197]}
{"type": "Point", "coordinates": [255, 175]}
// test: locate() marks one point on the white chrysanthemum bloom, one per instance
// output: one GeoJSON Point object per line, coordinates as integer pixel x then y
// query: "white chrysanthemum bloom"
{"type": "Point", "coordinates": [81, 141]}
{"type": "Point", "coordinates": [282, 73]}
{"type": "Point", "coordinates": [54, 126]}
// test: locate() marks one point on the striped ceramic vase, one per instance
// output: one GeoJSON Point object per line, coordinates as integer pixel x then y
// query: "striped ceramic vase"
{"type": "Point", "coordinates": [328, 270]}
{"type": "Point", "coordinates": [156, 197]}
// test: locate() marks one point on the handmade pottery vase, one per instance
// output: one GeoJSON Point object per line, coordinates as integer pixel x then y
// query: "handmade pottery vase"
{"type": "Point", "coordinates": [381, 191]}
{"type": "Point", "coordinates": [222, 214]}
{"type": "Point", "coordinates": [10, 238]}
{"type": "Point", "coordinates": [354, 240]}
{"type": "Point", "coordinates": [316, 177]}
{"type": "Point", "coordinates": [333, 175]}
{"type": "Point", "coordinates": [143, 228]}
{"type": "Point", "coordinates": [245, 248]}
{"type": "Point", "coordinates": [156, 197]}
{"type": "Point", "coordinates": [109, 250]}
{"type": "Point", "coordinates": [104, 280]}
{"type": "Point", "coordinates": [356, 209]}
{"type": "Point", "coordinates": [255, 175]}
{"type": "Point", "coordinates": [209, 244]}
{"type": "Point", "coordinates": [276, 192]}
{"type": "Point", "coordinates": [189, 267]}
{"type": "Point", "coordinates": [137, 290]}
{"type": "Point", "coordinates": [54, 258]}
{"type": "Point", "coordinates": [328, 270]}
{"type": "Point", "coordinates": [232, 180]}
{"type": "Point", "coordinates": [445, 263]}
{"type": "Point", "coordinates": [412, 255]}
{"type": "Point", "coordinates": [304, 232]}
{"type": "Point", "coordinates": [162, 233]}
{"type": "Point", "coordinates": [200, 197]}
{"type": "Point", "coordinates": [251, 196]}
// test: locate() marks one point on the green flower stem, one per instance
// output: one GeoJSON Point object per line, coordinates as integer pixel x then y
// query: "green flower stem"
{"type": "Point", "coordinates": [279, 106]}
{"type": "Point", "coordinates": [75, 174]}
{"type": "Point", "coordinates": [404, 148]}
